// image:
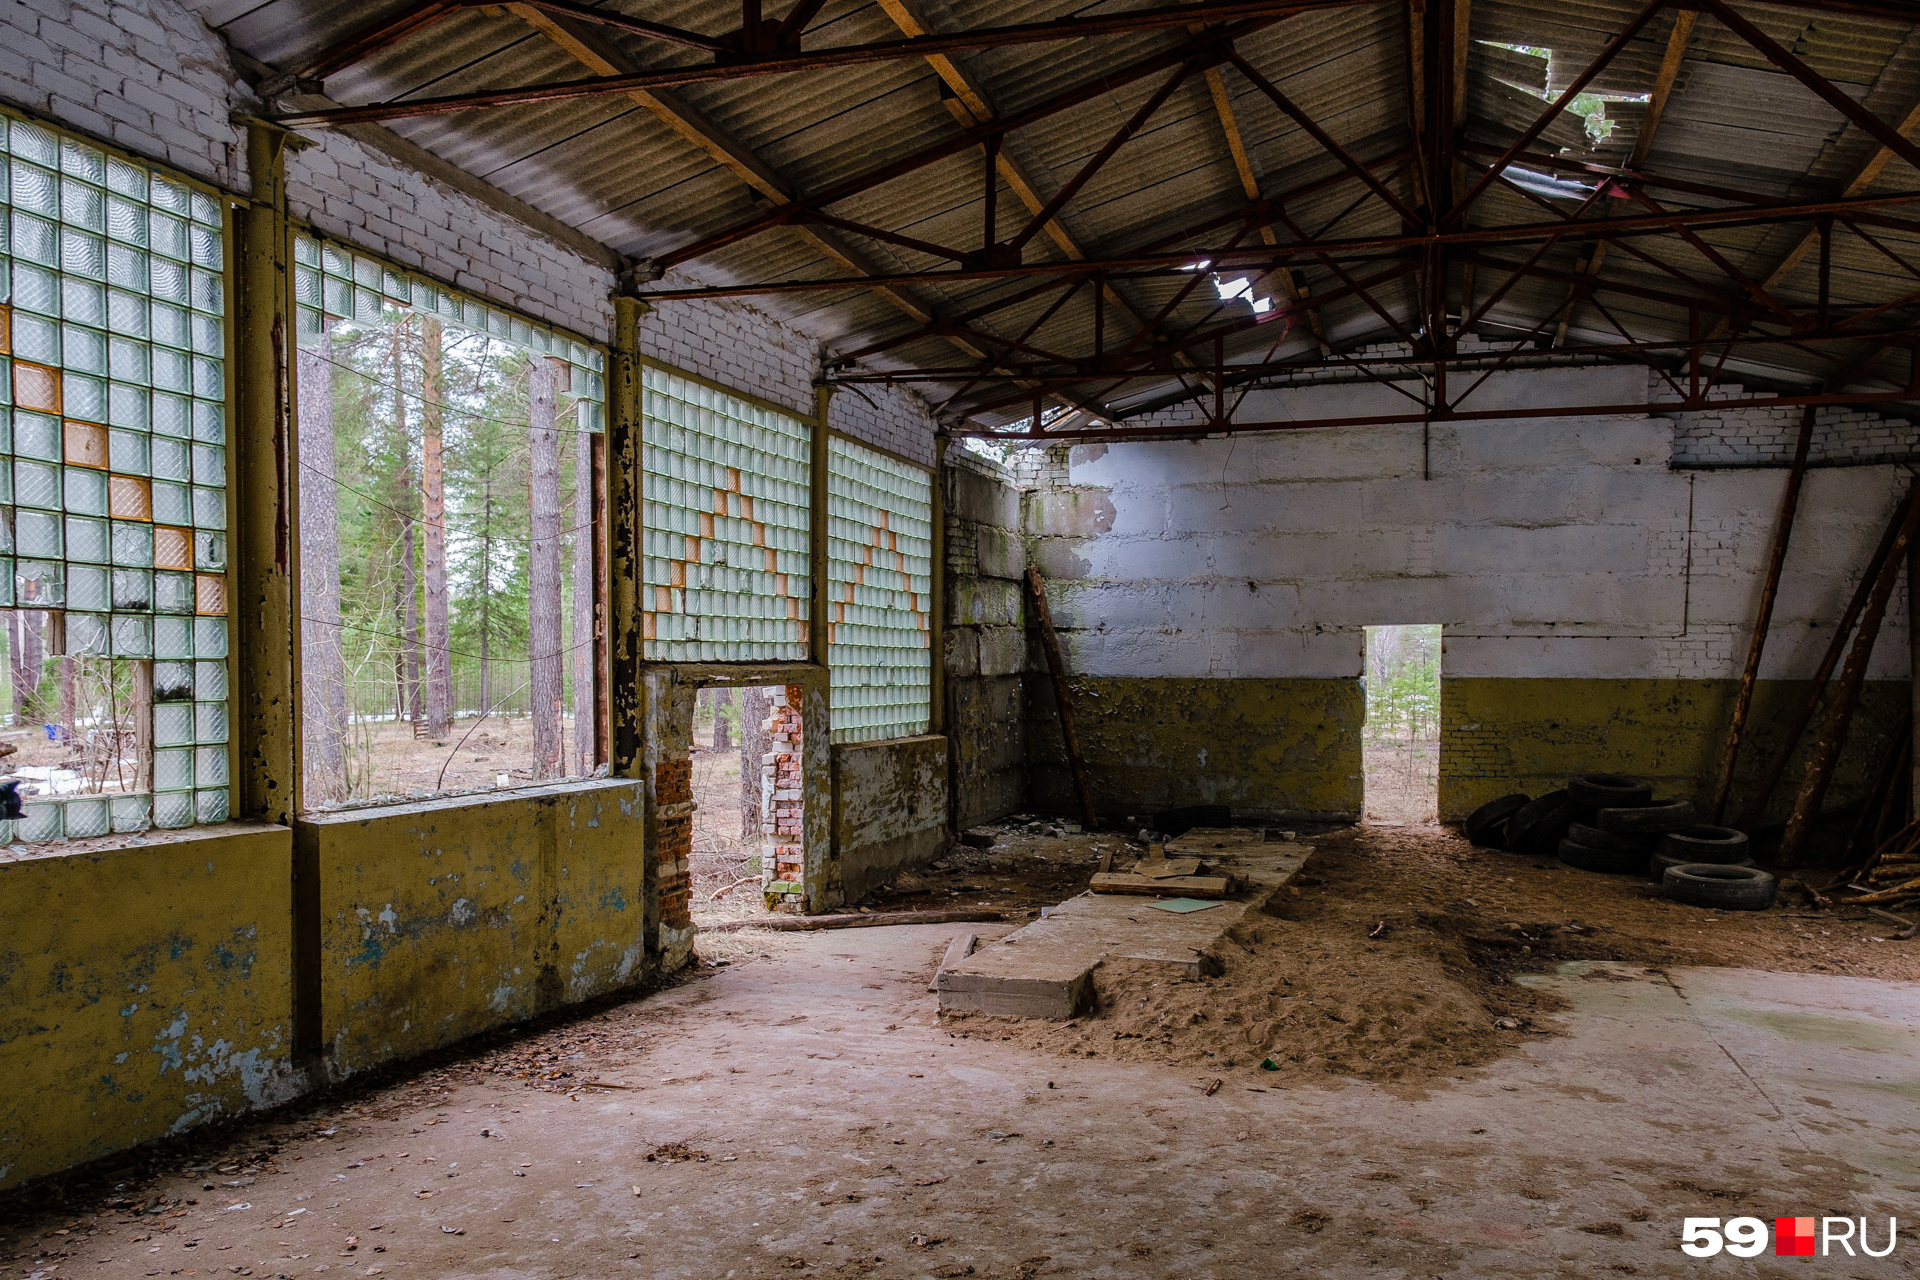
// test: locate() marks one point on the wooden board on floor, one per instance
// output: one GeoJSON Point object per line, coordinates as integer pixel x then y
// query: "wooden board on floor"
{"type": "Point", "coordinates": [1168, 886]}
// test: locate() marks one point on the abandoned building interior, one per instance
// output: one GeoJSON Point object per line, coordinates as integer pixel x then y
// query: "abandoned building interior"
{"type": "Point", "coordinates": [915, 638]}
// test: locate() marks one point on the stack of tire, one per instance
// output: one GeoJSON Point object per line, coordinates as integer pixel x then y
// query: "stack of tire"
{"type": "Point", "coordinates": [1612, 824]}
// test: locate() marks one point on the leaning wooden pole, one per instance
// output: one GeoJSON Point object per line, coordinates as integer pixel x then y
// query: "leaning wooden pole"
{"type": "Point", "coordinates": [1743, 703]}
{"type": "Point", "coordinates": [1057, 665]}
{"type": "Point", "coordinates": [1790, 740]}
{"type": "Point", "coordinates": [1833, 730]}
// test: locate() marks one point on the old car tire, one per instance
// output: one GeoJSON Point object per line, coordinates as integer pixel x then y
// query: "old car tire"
{"type": "Point", "coordinates": [1718, 885]}
{"type": "Point", "coordinates": [1649, 819]}
{"type": "Point", "coordinates": [1600, 838]}
{"type": "Point", "coordinates": [1530, 815]}
{"type": "Point", "coordinates": [1608, 862]}
{"type": "Point", "coordinates": [1706, 844]}
{"type": "Point", "coordinates": [1610, 791]}
{"type": "Point", "coordinates": [1485, 825]}
{"type": "Point", "coordinates": [1657, 865]}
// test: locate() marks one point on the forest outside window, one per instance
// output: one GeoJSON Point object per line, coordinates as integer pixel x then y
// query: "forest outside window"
{"type": "Point", "coordinates": [113, 490]}
{"type": "Point", "coordinates": [452, 563]}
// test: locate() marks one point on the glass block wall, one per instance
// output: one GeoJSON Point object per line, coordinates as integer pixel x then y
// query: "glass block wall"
{"type": "Point", "coordinates": [879, 586]}
{"type": "Point", "coordinates": [113, 467]}
{"type": "Point", "coordinates": [333, 282]}
{"type": "Point", "coordinates": [725, 519]}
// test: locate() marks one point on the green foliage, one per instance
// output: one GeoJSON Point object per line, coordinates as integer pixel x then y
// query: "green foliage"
{"type": "Point", "coordinates": [1403, 683]}
{"type": "Point", "coordinates": [381, 404]}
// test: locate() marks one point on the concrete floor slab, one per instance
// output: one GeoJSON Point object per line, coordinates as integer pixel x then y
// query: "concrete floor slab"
{"type": "Point", "coordinates": [847, 1134]}
{"type": "Point", "coordinates": [1045, 970]}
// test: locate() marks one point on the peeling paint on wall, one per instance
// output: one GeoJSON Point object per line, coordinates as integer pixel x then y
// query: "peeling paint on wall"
{"type": "Point", "coordinates": [105, 1043]}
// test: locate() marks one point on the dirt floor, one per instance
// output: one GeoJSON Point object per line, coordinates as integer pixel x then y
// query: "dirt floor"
{"type": "Point", "coordinates": [1402, 781]}
{"type": "Point", "coordinates": [725, 860]}
{"type": "Point", "coordinates": [795, 1105]}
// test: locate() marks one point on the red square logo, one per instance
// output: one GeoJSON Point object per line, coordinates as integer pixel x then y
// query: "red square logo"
{"type": "Point", "coordinates": [1793, 1237]}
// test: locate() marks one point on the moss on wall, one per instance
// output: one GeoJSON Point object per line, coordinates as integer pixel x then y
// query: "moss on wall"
{"type": "Point", "coordinates": [447, 918]}
{"type": "Point", "coordinates": [1501, 735]}
{"type": "Point", "coordinates": [142, 991]}
{"type": "Point", "coordinates": [1265, 747]}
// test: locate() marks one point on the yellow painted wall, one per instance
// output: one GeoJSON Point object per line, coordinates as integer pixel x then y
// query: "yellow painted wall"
{"type": "Point", "coordinates": [1502, 735]}
{"type": "Point", "coordinates": [142, 991]}
{"type": "Point", "coordinates": [435, 921]}
{"type": "Point", "coordinates": [1260, 746]}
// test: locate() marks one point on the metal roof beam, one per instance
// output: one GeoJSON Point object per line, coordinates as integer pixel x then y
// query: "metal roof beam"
{"type": "Point", "coordinates": [592, 51]}
{"type": "Point", "coordinates": [1135, 371]}
{"type": "Point", "coordinates": [1663, 82]}
{"type": "Point", "coordinates": [1099, 87]}
{"type": "Point", "coordinates": [1525, 233]}
{"type": "Point", "coordinates": [1250, 187]}
{"type": "Point", "coordinates": [1539, 126]}
{"type": "Point", "coordinates": [740, 68]}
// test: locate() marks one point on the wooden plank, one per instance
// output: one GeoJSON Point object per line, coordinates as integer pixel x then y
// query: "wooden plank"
{"type": "Point", "coordinates": [805, 924]}
{"type": "Point", "coordinates": [1057, 666]}
{"type": "Point", "coordinates": [1789, 506]}
{"type": "Point", "coordinates": [1833, 730]}
{"type": "Point", "coordinates": [1172, 886]}
{"type": "Point", "coordinates": [1161, 868]}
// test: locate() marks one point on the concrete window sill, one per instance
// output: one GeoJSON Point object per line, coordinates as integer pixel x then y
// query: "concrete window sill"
{"type": "Point", "coordinates": [470, 800]}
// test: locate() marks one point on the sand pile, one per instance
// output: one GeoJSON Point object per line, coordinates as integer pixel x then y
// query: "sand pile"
{"type": "Point", "coordinates": [1318, 998]}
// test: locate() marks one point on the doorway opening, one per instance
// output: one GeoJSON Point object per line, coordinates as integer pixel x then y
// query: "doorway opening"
{"type": "Point", "coordinates": [747, 759]}
{"type": "Point", "coordinates": [1401, 744]}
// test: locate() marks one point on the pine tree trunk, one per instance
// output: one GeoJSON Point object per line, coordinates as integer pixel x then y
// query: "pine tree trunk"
{"type": "Point", "coordinates": [754, 709]}
{"type": "Point", "coordinates": [486, 602]}
{"type": "Point", "coordinates": [543, 569]}
{"type": "Point", "coordinates": [407, 610]}
{"type": "Point", "coordinates": [323, 678]}
{"type": "Point", "coordinates": [586, 703]}
{"type": "Point", "coordinates": [722, 732]}
{"type": "Point", "coordinates": [433, 522]}
{"type": "Point", "coordinates": [24, 633]}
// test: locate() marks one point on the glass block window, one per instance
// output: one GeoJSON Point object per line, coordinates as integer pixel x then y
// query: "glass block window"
{"type": "Point", "coordinates": [726, 522]}
{"type": "Point", "coordinates": [451, 538]}
{"type": "Point", "coordinates": [113, 482]}
{"type": "Point", "coordinates": [332, 283]}
{"type": "Point", "coordinates": [879, 586]}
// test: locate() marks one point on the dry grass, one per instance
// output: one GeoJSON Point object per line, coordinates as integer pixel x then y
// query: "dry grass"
{"type": "Point", "coordinates": [722, 855]}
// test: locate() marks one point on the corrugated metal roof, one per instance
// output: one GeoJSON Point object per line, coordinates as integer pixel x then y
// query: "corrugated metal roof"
{"type": "Point", "coordinates": [611, 168]}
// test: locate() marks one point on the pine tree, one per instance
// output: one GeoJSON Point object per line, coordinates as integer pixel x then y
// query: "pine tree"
{"type": "Point", "coordinates": [543, 568]}
{"type": "Point", "coordinates": [434, 527]}
{"type": "Point", "coordinates": [323, 681]}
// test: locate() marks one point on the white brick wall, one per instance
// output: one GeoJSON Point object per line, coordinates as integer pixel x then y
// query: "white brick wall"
{"type": "Point", "coordinates": [347, 190]}
{"type": "Point", "coordinates": [736, 345]}
{"type": "Point", "coordinates": [1767, 437]}
{"type": "Point", "coordinates": [890, 418]}
{"type": "Point", "coordinates": [146, 76]}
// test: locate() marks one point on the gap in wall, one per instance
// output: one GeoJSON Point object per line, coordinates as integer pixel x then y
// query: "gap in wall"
{"type": "Point", "coordinates": [1401, 742]}
{"type": "Point", "coordinates": [737, 766]}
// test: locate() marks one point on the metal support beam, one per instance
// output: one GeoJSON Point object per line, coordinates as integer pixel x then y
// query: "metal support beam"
{"type": "Point", "coordinates": [264, 610]}
{"type": "Point", "coordinates": [626, 693]}
{"type": "Point", "coordinates": [1066, 29]}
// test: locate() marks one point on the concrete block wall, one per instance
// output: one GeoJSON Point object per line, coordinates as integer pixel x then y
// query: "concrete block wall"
{"type": "Point", "coordinates": [986, 638]}
{"type": "Point", "coordinates": [1567, 551]}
